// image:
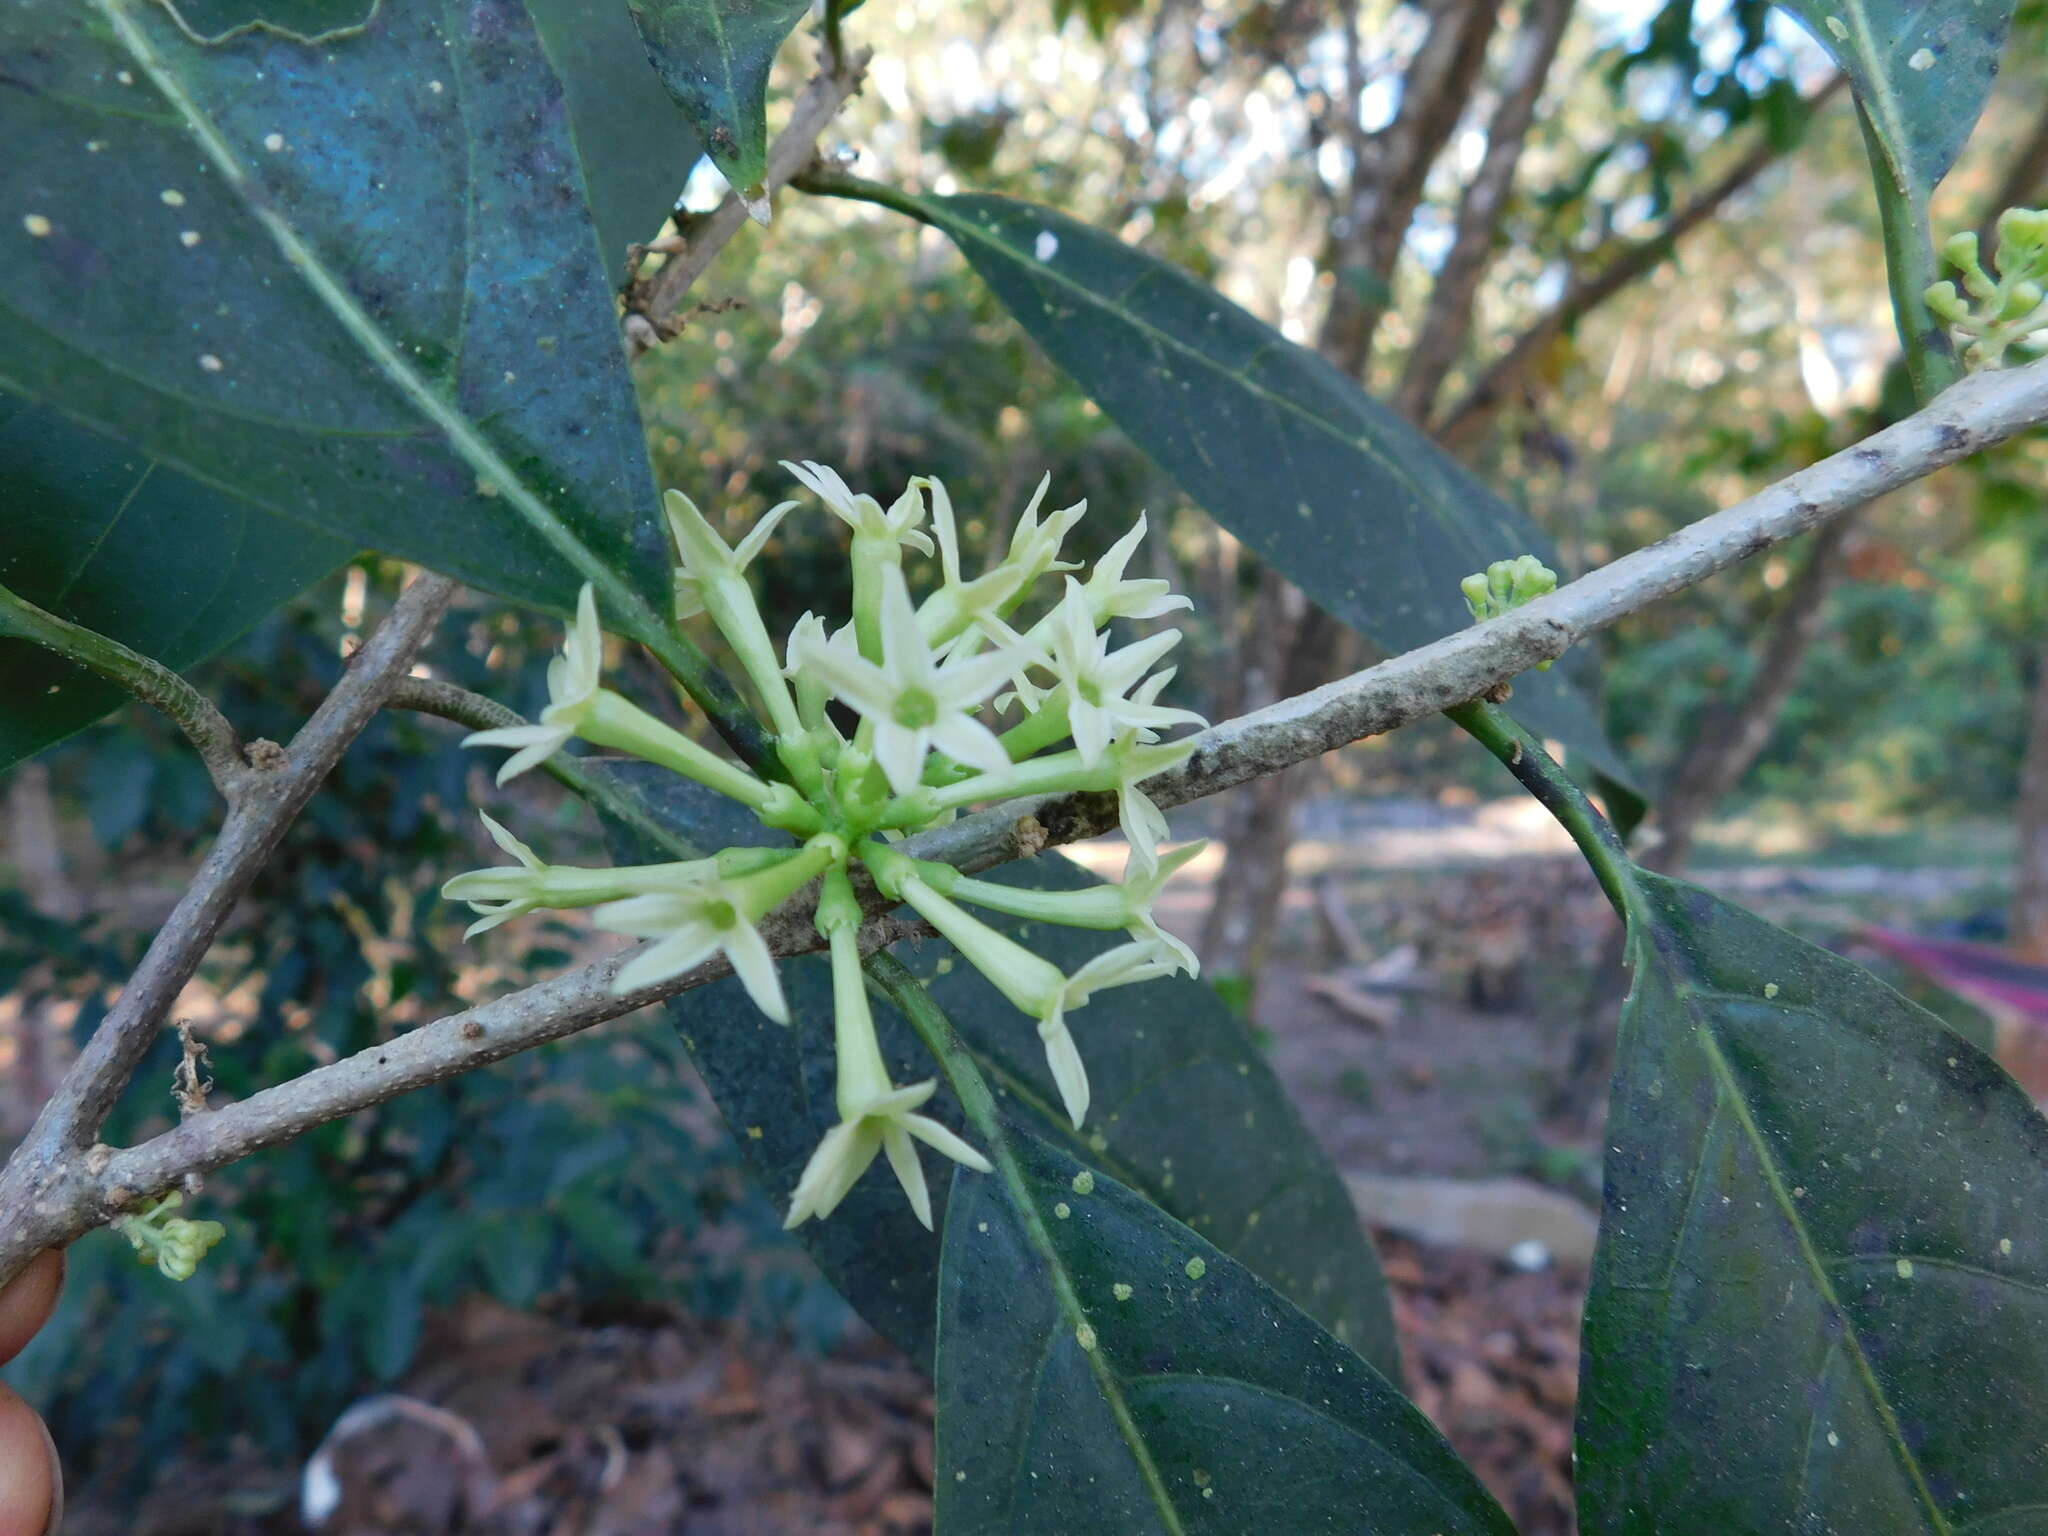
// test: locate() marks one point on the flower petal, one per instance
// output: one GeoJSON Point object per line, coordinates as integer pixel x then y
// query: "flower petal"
{"type": "Point", "coordinates": [511, 736]}
{"type": "Point", "coordinates": [533, 756]}
{"type": "Point", "coordinates": [909, 1171]}
{"type": "Point", "coordinates": [825, 1172]}
{"type": "Point", "coordinates": [906, 654]}
{"type": "Point", "coordinates": [750, 547]}
{"type": "Point", "coordinates": [1068, 1073]}
{"type": "Point", "coordinates": [681, 951]}
{"type": "Point", "coordinates": [901, 753]}
{"type": "Point", "coordinates": [755, 967]}
{"type": "Point", "coordinates": [942, 1139]}
{"type": "Point", "coordinates": [507, 843]}
{"type": "Point", "coordinates": [1088, 724]}
{"type": "Point", "coordinates": [969, 741]}
{"type": "Point", "coordinates": [846, 673]}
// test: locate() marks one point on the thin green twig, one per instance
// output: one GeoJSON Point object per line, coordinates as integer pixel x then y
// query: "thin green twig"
{"type": "Point", "coordinates": [216, 741]}
{"type": "Point", "coordinates": [431, 697]}
{"type": "Point", "coordinates": [1540, 774]}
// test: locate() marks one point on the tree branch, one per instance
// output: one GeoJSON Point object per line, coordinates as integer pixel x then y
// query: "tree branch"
{"type": "Point", "coordinates": [1456, 427]}
{"type": "Point", "coordinates": [1979, 413]}
{"type": "Point", "coordinates": [1387, 183]}
{"type": "Point", "coordinates": [651, 304]}
{"type": "Point", "coordinates": [54, 1189]}
{"type": "Point", "coordinates": [278, 786]}
{"type": "Point", "coordinates": [550, 1010]}
{"type": "Point", "coordinates": [219, 747]}
{"type": "Point", "coordinates": [1449, 317]}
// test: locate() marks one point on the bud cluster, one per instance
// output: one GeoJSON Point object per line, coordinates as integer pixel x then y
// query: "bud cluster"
{"type": "Point", "coordinates": [173, 1244]}
{"type": "Point", "coordinates": [1505, 585]}
{"type": "Point", "coordinates": [947, 701]}
{"type": "Point", "coordinates": [1997, 313]}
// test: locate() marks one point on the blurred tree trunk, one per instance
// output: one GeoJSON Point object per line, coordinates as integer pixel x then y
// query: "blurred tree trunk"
{"type": "Point", "coordinates": [1291, 645]}
{"type": "Point", "coordinates": [1732, 734]}
{"type": "Point", "coordinates": [2029, 926]}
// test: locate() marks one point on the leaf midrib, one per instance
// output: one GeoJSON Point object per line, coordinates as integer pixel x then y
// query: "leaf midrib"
{"type": "Point", "coordinates": [1816, 1266]}
{"type": "Point", "coordinates": [1073, 1317]}
{"type": "Point", "coordinates": [1894, 137]}
{"type": "Point", "coordinates": [463, 436]}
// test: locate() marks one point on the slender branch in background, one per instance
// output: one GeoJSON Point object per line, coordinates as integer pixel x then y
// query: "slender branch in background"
{"type": "Point", "coordinates": [54, 1189]}
{"type": "Point", "coordinates": [1732, 734]}
{"type": "Point", "coordinates": [652, 302]}
{"type": "Point", "coordinates": [1448, 320]}
{"type": "Point", "coordinates": [1386, 184]}
{"type": "Point", "coordinates": [267, 801]}
{"type": "Point", "coordinates": [431, 697]}
{"type": "Point", "coordinates": [1457, 427]}
{"type": "Point", "coordinates": [1979, 413]}
{"type": "Point", "coordinates": [550, 1010]}
{"type": "Point", "coordinates": [215, 740]}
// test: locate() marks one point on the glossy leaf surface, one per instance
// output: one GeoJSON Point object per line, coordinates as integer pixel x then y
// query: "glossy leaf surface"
{"type": "Point", "coordinates": [351, 283]}
{"type": "Point", "coordinates": [1922, 70]}
{"type": "Point", "coordinates": [714, 56]}
{"type": "Point", "coordinates": [1103, 1371]}
{"type": "Point", "coordinates": [177, 562]}
{"type": "Point", "coordinates": [1820, 1299]}
{"type": "Point", "coordinates": [97, 531]}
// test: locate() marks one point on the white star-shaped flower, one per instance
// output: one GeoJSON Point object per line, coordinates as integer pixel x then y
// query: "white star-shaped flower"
{"type": "Point", "coordinates": [1098, 679]}
{"type": "Point", "coordinates": [883, 1124]}
{"type": "Point", "coordinates": [1110, 596]}
{"type": "Point", "coordinates": [1145, 960]}
{"type": "Point", "coordinates": [914, 702]}
{"type": "Point", "coordinates": [499, 894]}
{"type": "Point", "coordinates": [572, 694]}
{"type": "Point", "coordinates": [702, 555]}
{"type": "Point", "coordinates": [707, 917]}
{"type": "Point", "coordinates": [862, 513]}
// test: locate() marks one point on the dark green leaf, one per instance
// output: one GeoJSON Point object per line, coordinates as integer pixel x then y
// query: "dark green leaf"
{"type": "Point", "coordinates": [1103, 1371]}
{"type": "Point", "coordinates": [1187, 1110]}
{"type": "Point", "coordinates": [714, 57]}
{"type": "Point", "coordinates": [1921, 69]}
{"type": "Point", "coordinates": [635, 148]}
{"type": "Point", "coordinates": [104, 535]}
{"type": "Point", "coordinates": [1371, 518]}
{"type": "Point", "coordinates": [176, 568]}
{"type": "Point", "coordinates": [1820, 1300]}
{"type": "Point", "coordinates": [352, 285]}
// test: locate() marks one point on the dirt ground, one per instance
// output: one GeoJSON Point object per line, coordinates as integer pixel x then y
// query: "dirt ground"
{"type": "Point", "coordinates": [1435, 970]}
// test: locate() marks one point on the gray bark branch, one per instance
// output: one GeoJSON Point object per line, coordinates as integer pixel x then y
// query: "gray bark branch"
{"type": "Point", "coordinates": [652, 304]}
{"type": "Point", "coordinates": [55, 1188]}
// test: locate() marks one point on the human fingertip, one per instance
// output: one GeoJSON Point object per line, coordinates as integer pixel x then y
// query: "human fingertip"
{"type": "Point", "coordinates": [26, 1304]}
{"type": "Point", "coordinates": [31, 1484]}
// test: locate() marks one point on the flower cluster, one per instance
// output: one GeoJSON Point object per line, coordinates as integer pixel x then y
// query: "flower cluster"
{"type": "Point", "coordinates": [1997, 313]}
{"type": "Point", "coordinates": [945, 701]}
{"type": "Point", "coordinates": [174, 1244]}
